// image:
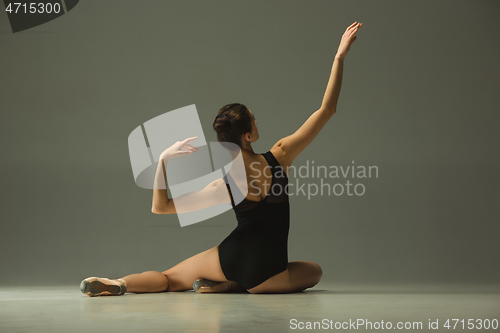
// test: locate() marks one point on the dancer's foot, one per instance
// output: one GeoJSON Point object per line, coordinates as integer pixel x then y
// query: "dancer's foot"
{"type": "Point", "coordinates": [96, 286]}
{"type": "Point", "coordinates": [207, 286]}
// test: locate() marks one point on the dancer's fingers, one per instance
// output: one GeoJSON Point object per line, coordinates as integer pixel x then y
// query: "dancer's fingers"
{"type": "Point", "coordinates": [352, 26]}
{"type": "Point", "coordinates": [349, 28]}
{"type": "Point", "coordinates": [189, 146]}
{"type": "Point", "coordinates": [184, 152]}
{"type": "Point", "coordinates": [355, 29]}
{"type": "Point", "coordinates": [189, 139]}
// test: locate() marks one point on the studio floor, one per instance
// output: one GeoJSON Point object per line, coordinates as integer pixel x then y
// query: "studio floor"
{"type": "Point", "coordinates": [334, 307]}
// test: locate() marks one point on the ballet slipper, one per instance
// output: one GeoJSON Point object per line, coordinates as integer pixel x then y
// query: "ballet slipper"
{"type": "Point", "coordinates": [96, 286]}
{"type": "Point", "coordinates": [204, 285]}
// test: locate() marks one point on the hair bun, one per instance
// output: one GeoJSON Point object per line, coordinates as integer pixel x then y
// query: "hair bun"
{"type": "Point", "coordinates": [221, 123]}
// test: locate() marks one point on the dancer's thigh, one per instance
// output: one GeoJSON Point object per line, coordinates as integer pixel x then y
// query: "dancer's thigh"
{"type": "Point", "coordinates": [204, 265]}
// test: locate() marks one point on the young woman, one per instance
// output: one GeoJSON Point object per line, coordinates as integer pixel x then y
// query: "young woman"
{"type": "Point", "coordinates": [254, 256]}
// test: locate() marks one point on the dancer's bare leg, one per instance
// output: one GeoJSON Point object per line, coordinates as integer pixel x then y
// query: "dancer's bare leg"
{"type": "Point", "coordinates": [146, 282]}
{"type": "Point", "coordinates": [204, 265]}
{"type": "Point", "coordinates": [298, 276]}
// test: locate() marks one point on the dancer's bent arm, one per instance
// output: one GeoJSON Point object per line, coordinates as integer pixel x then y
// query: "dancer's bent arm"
{"type": "Point", "coordinates": [213, 194]}
{"type": "Point", "coordinates": [293, 144]}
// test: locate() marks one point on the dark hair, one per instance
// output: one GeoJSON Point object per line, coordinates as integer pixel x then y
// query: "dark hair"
{"type": "Point", "coordinates": [233, 121]}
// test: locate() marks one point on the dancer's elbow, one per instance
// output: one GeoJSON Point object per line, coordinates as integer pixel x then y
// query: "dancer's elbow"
{"type": "Point", "coordinates": [156, 210]}
{"type": "Point", "coordinates": [167, 208]}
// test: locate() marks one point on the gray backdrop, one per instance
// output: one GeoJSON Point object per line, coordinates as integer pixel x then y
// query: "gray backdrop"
{"type": "Point", "coordinates": [419, 100]}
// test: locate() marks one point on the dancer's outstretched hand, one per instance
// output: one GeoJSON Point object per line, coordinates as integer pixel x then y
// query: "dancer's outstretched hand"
{"type": "Point", "coordinates": [348, 38]}
{"type": "Point", "coordinates": [179, 148]}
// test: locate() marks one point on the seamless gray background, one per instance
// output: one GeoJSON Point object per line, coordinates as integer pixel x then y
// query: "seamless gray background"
{"type": "Point", "coordinates": [419, 100]}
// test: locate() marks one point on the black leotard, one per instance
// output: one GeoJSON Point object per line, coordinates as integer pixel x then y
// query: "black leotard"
{"type": "Point", "coordinates": [257, 248]}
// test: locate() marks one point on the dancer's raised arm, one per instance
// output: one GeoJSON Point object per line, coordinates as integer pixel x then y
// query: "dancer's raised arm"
{"type": "Point", "coordinates": [293, 144]}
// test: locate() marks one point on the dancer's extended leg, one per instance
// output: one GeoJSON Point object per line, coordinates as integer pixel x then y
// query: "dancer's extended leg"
{"type": "Point", "coordinates": [204, 265]}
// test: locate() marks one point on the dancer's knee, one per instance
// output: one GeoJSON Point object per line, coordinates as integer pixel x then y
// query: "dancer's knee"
{"type": "Point", "coordinates": [158, 281]}
{"type": "Point", "coordinates": [317, 273]}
